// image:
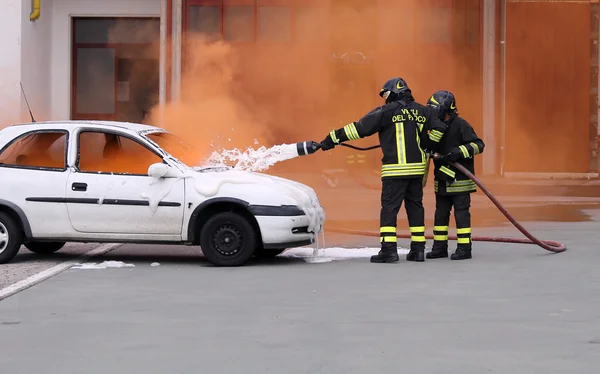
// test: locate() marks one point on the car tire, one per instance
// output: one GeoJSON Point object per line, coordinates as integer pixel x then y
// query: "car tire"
{"type": "Point", "coordinates": [269, 253]}
{"type": "Point", "coordinates": [11, 238]}
{"type": "Point", "coordinates": [44, 248]}
{"type": "Point", "coordinates": [228, 239]}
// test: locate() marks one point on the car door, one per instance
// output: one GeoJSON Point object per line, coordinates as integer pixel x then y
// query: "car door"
{"type": "Point", "coordinates": [33, 177]}
{"type": "Point", "coordinates": [111, 192]}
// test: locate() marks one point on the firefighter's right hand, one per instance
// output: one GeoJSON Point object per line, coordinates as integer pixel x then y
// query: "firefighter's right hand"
{"type": "Point", "coordinates": [454, 155]}
{"type": "Point", "coordinates": [327, 143]}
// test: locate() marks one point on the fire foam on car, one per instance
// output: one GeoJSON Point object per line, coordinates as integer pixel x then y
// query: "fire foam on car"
{"type": "Point", "coordinates": [261, 159]}
{"type": "Point", "coordinates": [251, 159]}
{"type": "Point", "coordinates": [211, 183]}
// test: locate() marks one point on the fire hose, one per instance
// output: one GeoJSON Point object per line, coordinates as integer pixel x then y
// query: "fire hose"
{"type": "Point", "coordinates": [548, 245]}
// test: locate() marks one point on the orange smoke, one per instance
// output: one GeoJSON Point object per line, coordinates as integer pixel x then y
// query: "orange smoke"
{"type": "Point", "coordinates": [251, 94]}
{"type": "Point", "coordinates": [240, 95]}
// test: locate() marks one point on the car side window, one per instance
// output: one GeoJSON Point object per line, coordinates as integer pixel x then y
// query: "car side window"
{"type": "Point", "coordinates": [45, 150]}
{"type": "Point", "coordinates": [101, 152]}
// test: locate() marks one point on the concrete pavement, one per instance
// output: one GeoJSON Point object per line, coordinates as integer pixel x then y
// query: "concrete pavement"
{"type": "Point", "coordinates": [512, 309]}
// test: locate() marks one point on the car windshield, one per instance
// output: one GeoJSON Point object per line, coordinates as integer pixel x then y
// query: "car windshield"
{"type": "Point", "coordinates": [176, 147]}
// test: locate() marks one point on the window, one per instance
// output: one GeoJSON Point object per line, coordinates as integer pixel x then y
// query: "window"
{"type": "Point", "coordinates": [205, 20]}
{"type": "Point", "coordinates": [101, 152]}
{"type": "Point", "coordinates": [117, 30]}
{"type": "Point", "coordinates": [239, 24]}
{"type": "Point", "coordinates": [37, 150]}
{"type": "Point", "coordinates": [176, 147]}
{"type": "Point", "coordinates": [95, 80]}
{"type": "Point", "coordinates": [274, 24]}
{"type": "Point", "coordinates": [267, 21]}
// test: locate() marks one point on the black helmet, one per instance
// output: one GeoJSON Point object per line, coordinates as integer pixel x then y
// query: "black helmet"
{"type": "Point", "coordinates": [394, 89]}
{"type": "Point", "coordinates": [443, 102]}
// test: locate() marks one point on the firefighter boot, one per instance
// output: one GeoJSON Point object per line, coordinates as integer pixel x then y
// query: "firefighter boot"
{"type": "Point", "coordinates": [463, 249]}
{"type": "Point", "coordinates": [437, 253]}
{"type": "Point", "coordinates": [440, 243]}
{"type": "Point", "coordinates": [461, 253]}
{"type": "Point", "coordinates": [386, 255]}
{"type": "Point", "coordinates": [416, 253]}
{"type": "Point", "coordinates": [439, 250]}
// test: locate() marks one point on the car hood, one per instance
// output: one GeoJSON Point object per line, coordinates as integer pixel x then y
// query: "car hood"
{"type": "Point", "coordinates": [258, 189]}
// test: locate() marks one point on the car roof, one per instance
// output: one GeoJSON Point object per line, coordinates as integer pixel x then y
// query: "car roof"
{"type": "Point", "coordinates": [73, 124]}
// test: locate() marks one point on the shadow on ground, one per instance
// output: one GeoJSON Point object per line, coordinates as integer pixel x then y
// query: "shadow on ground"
{"type": "Point", "coordinates": [188, 260]}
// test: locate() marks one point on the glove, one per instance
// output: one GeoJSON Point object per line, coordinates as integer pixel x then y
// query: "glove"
{"type": "Point", "coordinates": [437, 156]}
{"type": "Point", "coordinates": [454, 155]}
{"type": "Point", "coordinates": [327, 143]}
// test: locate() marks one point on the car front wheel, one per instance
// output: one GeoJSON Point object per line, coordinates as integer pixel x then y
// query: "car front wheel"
{"type": "Point", "coordinates": [11, 238]}
{"type": "Point", "coordinates": [228, 239]}
{"type": "Point", "coordinates": [44, 248]}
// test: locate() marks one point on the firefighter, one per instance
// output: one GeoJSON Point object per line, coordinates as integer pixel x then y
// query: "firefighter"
{"type": "Point", "coordinates": [453, 188]}
{"type": "Point", "coordinates": [405, 129]}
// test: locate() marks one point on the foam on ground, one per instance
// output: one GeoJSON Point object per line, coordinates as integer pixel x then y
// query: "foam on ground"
{"type": "Point", "coordinates": [103, 265]}
{"type": "Point", "coordinates": [333, 253]}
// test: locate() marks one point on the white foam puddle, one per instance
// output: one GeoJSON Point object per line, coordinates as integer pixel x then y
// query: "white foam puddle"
{"type": "Point", "coordinates": [333, 253]}
{"type": "Point", "coordinates": [102, 265]}
{"type": "Point", "coordinates": [254, 159]}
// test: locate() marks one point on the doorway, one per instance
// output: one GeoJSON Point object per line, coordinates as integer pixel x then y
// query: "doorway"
{"type": "Point", "coordinates": [115, 72]}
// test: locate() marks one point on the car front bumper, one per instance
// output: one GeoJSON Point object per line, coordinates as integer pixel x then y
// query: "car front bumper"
{"type": "Point", "coordinates": [287, 226]}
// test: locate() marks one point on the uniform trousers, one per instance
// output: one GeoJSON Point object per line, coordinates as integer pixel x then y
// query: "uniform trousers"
{"type": "Point", "coordinates": [394, 191]}
{"type": "Point", "coordinates": [462, 215]}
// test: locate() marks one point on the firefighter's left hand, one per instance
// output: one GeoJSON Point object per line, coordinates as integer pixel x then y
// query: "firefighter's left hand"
{"type": "Point", "coordinates": [327, 143]}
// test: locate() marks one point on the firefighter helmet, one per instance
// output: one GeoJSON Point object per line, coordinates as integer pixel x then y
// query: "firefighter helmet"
{"type": "Point", "coordinates": [443, 102]}
{"type": "Point", "coordinates": [393, 89]}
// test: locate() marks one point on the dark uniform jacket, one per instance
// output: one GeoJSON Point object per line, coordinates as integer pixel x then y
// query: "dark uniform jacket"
{"type": "Point", "coordinates": [462, 143]}
{"type": "Point", "coordinates": [405, 129]}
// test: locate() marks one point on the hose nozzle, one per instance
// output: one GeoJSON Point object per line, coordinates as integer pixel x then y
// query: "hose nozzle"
{"type": "Point", "coordinates": [307, 148]}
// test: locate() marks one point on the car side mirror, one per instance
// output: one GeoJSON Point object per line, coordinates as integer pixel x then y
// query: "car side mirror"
{"type": "Point", "coordinates": [160, 170]}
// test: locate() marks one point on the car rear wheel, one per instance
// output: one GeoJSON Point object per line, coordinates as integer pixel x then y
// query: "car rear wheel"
{"type": "Point", "coordinates": [11, 238]}
{"type": "Point", "coordinates": [228, 239]}
{"type": "Point", "coordinates": [269, 253]}
{"type": "Point", "coordinates": [44, 248]}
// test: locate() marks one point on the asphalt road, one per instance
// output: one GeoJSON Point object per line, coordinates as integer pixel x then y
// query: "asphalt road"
{"type": "Point", "coordinates": [512, 309]}
{"type": "Point", "coordinates": [27, 263]}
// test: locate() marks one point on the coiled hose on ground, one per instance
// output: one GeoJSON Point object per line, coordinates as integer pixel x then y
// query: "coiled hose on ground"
{"type": "Point", "coordinates": [548, 245]}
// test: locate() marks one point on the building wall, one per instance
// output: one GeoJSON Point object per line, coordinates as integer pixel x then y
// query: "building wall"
{"type": "Point", "coordinates": [35, 63]}
{"type": "Point", "coordinates": [10, 62]}
{"type": "Point", "coordinates": [595, 87]}
{"type": "Point", "coordinates": [547, 86]}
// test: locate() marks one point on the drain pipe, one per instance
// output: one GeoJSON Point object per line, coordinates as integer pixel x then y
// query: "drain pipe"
{"type": "Point", "coordinates": [35, 11]}
{"type": "Point", "coordinates": [162, 88]}
{"type": "Point", "coordinates": [177, 50]}
{"type": "Point", "coordinates": [503, 86]}
{"type": "Point", "coordinates": [489, 85]}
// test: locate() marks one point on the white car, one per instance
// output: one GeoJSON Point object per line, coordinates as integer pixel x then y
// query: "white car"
{"type": "Point", "coordinates": [99, 181]}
